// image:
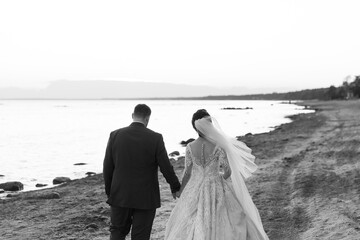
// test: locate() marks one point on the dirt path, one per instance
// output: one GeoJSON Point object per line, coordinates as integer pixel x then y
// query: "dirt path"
{"type": "Point", "coordinates": [307, 187]}
{"type": "Point", "coordinates": [312, 184]}
{"type": "Point", "coordinates": [326, 182]}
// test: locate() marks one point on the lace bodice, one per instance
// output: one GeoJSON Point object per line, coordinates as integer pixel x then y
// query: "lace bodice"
{"type": "Point", "coordinates": [211, 167]}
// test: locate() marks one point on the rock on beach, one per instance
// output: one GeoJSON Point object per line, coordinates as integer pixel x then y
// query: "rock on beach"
{"type": "Point", "coordinates": [90, 174]}
{"type": "Point", "coordinates": [59, 180]}
{"type": "Point", "coordinates": [174, 153]}
{"type": "Point", "coordinates": [12, 186]}
{"type": "Point", "coordinates": [13, 195]}
{"type": "Point", "coordinates": [184, 143]}
{"type": "Point", "coordinates": [40, 185]}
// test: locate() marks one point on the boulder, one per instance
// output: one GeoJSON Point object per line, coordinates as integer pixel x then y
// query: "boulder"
{"type": "Point", "coordinates": [40, 185]}
{"type": "Point", "coordinates": [2, 191]}
{"type": "Point", "coordinates": [59, 180]}
{"type": "Point", "coordinates": [12, 186]}
{"type": "Point", "coordinates": [2, 175]}
{"type": "Point", "coordinates": [248, 134]}
{"type": "Point", "coordinates": [174, 153]}
{"type": "Point", "coordinates": [184, 143]}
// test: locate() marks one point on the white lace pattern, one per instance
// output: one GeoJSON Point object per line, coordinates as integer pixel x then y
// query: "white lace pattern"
{"type": "Point", "coordinates": [208, 208]}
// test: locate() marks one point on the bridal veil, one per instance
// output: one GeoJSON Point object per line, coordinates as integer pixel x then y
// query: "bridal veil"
{"type": "Point", "coordinates": [241, 162]}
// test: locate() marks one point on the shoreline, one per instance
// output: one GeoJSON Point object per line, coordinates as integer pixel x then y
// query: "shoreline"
{"type": "Point", "coordinates": [297, 190]}
{"type": "Point", "coordinates": [30, 181]}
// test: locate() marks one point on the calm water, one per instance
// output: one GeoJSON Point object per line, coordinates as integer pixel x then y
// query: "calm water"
{"type": "Point", "coordinates": [41, 140]}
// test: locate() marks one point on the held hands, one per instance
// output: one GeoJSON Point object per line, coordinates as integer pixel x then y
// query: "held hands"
{"type": "Point", "coordinates": [176, 195]}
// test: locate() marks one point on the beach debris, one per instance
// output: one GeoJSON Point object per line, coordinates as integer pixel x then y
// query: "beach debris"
{"type": "Point", "coordinates": [79, 164]}
{"type": "Point", "coordinates": [40, 185]}
{"type": "Point", "coordinates": [59, 180]}
{"type": "Point", "coordinates": [184, 143]}
{"type": "Point", "coordinates": [12, 186]}
{"type": "Point", "coordinates": [90, 174]}
{"type": "Point", "coordinates": [92, 226]}
{"type": "Point", "coordinates": [237, 108]}
{"type": "Point", "coordinates": [174, 153]}
{"type": "Point", "coordinates": [2, 175]}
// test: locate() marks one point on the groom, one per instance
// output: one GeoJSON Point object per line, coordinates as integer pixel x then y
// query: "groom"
{"type": "Point", "coordinates": [132, 158]}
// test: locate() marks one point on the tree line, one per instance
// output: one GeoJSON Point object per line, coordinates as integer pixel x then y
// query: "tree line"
{"type": "Point", "coordinates": [347, 90]}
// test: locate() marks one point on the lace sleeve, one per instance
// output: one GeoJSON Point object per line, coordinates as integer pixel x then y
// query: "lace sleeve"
{"type": "Point", "coordinates": [188, 161]}
{"type": "Point", "coordinates": [224, 164]}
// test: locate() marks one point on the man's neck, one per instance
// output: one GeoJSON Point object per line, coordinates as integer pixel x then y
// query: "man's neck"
{"type": "Point", "coordinates": [138, 121]}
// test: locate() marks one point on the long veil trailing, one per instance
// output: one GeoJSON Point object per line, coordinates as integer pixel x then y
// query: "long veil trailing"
{"type": "Point", "coordinates": [241, 162]}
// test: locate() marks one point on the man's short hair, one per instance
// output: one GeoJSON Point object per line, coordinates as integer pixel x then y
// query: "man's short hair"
{"type": "Point", "coordinates": [142, 110]}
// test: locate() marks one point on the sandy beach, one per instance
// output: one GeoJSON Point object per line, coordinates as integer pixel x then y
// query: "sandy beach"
{"type": "Point", "coordinates": [307, 186]}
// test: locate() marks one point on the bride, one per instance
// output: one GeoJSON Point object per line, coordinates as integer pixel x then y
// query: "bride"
{"type": "Point", "coordinates": [215, 203]}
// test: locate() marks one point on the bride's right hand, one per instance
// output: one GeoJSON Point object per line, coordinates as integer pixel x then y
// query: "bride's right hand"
{"type": "Point", "coordinates": [176, 194]}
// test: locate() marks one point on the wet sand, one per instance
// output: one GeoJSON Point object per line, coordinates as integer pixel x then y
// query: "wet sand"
{"type": "Point", "coordinates": [307, 186]}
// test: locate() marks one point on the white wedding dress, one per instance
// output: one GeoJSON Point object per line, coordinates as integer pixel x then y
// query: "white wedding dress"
{"type": "Point", "coordinates": [208, 208]}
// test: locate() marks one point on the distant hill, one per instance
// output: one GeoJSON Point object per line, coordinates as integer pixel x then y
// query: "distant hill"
{"type": "Point", "coordinates": [149, 90]}
{"type": "Point", "coordinates": [64, 89]}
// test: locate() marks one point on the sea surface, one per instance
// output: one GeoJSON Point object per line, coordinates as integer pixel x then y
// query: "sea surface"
{"type": "Point", "coordinates": [43, 139]}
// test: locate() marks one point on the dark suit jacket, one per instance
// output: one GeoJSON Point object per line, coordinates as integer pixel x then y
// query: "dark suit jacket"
{"type": "Point", "coordinates": [132, 158]}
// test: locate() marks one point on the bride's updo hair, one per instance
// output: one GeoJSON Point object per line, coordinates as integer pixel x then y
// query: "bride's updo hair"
{"type": "Point", "coordinates": [199, 114]}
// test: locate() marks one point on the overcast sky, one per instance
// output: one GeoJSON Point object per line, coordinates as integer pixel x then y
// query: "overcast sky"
{"type": "Point", "coordinates": [255, 43]}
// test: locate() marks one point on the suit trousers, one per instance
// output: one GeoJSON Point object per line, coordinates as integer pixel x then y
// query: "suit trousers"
{"type": "Point", "coordinates": [139, 220]}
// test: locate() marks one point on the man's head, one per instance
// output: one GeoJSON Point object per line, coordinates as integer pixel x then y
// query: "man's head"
{"type": "Point", "coordinates": [142, 113]}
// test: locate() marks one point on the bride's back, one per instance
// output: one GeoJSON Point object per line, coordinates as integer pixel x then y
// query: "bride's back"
{"type": "Point", "coordinates": [202, 149]}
